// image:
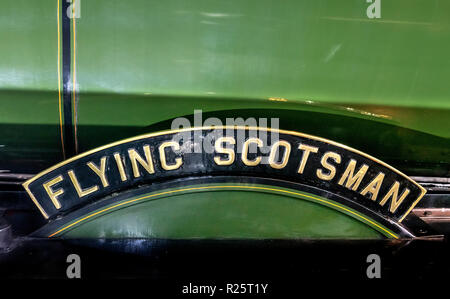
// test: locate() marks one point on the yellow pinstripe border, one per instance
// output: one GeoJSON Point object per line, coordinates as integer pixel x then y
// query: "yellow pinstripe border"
{"type": "Point", "coordinates": [237, 187]}
{"type": "Point", "coordinates": [59, 78]}
{"type": "Point", "coordinates": [74, 76]}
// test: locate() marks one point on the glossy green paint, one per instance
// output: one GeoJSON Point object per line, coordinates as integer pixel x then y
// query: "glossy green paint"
{"type": "Point", "coordinates": [325, 50]}
{"type": "Point", "coordinates": [142, 62]}
{"type": "Point", "coordinates": [218, 55]}
{"type": "Point", "coordinates": [164, 60]}
{"type": "Point", "coordinates": [28, 48]}
{"type": "Point", "coordinates": [29, 118]}
{"type": "Point", "coordinates": [380, 86]}
{"type": "Point", "coordinates": [224, 214]}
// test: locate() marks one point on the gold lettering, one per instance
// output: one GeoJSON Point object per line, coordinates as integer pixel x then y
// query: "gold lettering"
{"type": "Point", "coordinates": [147, 164]}
{"type": "Point", "coordinates": [393, 192]}
{"type": "Point", "coordinates": [162, 155]}
{"type": "Point", "coordinates": [273, 152]}
{"type": "Point", "coordinates": [77, 186]}
{"type": "Point", "coordinates": [100, 171]}
{"type": "Point", "coordinates": [53, 194]}
{"type": "Point", "coordinates": [223, 150]}
{"type": "Point", "coordinates": [327, 177]}
{"type": "Point", "coordinates": [374, 186]}
{"type": "Point", "coordinates": [245, 152]}
{"type": "Point", "coordinates": [306, 151]}
{"type": "Point", "coordinates": [354, 180]}
{"type": "Point", "coordinates": [123, 175]}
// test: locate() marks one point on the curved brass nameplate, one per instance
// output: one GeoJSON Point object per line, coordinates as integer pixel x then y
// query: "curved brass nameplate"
{"type": "Point", "coordinates": [227, 151]}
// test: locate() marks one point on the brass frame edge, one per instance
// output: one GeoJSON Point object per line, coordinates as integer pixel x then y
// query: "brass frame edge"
{"type": "Point", "coordinates": [35, 201]}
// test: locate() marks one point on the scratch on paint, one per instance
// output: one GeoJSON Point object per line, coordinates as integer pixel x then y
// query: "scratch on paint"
{"type": "Point", "coordinates": [333, 51]}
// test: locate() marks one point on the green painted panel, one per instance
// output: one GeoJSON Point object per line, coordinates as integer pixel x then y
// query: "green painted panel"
{"type": "Point", "coordinates": [28, 67]}
{"type": "Point", "coordinates": [323, 50]}
{"type": "Point", "coordinates": [145, 61]}
{"type": "Point", "coordinates": [225, 214]}
{"type": "Point", "coordinates": [29, 113]}
{"type": "Point", "coordinates": [28, 45]}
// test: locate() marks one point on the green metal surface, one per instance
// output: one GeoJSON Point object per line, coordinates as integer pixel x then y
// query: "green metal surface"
{"type": "Point", "coordinates": [224, 214]}
{"type": "Point", "coordinates": [142, 62]}
{"type": "Point", "coordinates": [326, 51]}
{"type": "Point", "coordinates": [28, 48]}
{"type": "Point", "coordinates": [379, 85]}
{"type": "Point", "coordinates": [29, 118]}
{"type": "Point", "coordinates": [320, 51]}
